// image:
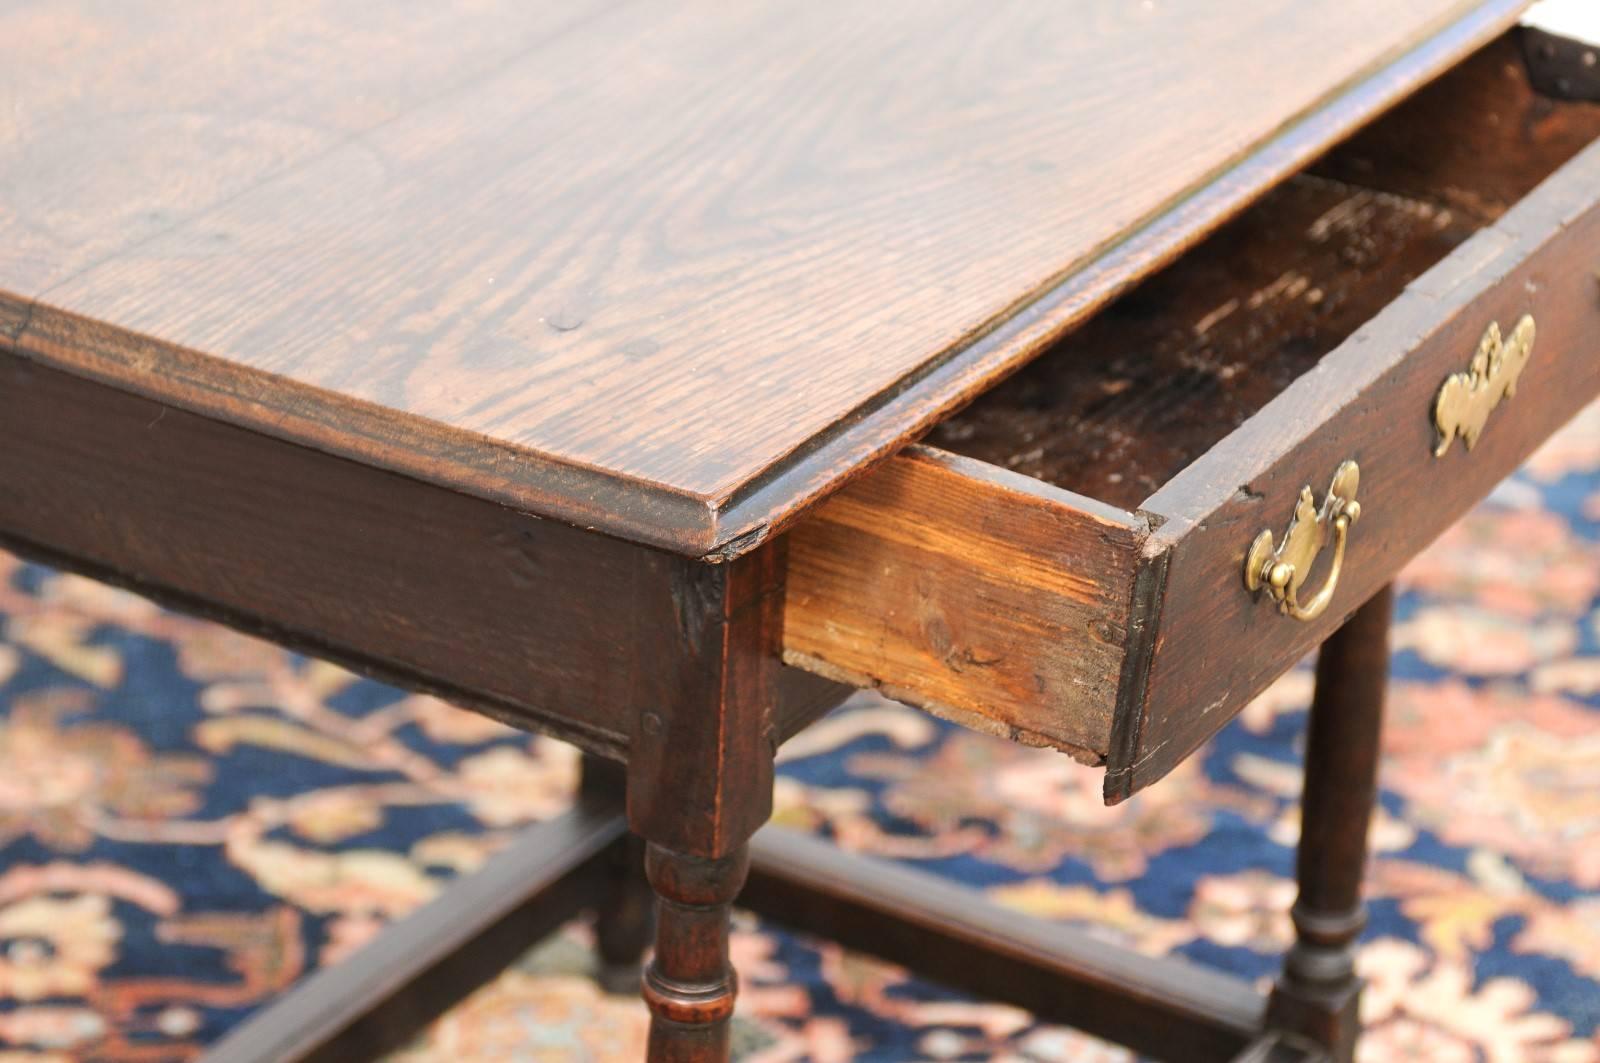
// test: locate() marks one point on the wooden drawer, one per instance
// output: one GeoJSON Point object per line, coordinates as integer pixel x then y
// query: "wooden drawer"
{"type": "Point", "coordinates": [1066, 566]}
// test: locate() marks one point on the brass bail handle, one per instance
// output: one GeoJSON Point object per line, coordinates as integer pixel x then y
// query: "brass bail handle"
{"type": "Point", "coordinates": [1282, 568]}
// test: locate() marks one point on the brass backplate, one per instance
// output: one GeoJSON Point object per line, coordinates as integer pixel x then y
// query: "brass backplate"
{"type": "Point", "coordinates": [1467, 398]}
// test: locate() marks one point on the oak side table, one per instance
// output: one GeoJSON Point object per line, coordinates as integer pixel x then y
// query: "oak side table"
{"type": "Point", "coordinates": [653, 375]}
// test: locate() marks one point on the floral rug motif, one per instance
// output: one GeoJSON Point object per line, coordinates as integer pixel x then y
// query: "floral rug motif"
{"type": "Point", "coordinates": [193, 820]}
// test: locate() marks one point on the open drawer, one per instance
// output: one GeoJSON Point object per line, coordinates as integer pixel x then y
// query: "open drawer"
{"type": "Point", "coordinates": [1069, 567]}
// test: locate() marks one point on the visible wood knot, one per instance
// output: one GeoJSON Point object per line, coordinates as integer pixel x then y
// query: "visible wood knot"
{"type": "Point", "coordinates": [1106, 632]}
{"type": "Point", "coordinates": [689, 1005]}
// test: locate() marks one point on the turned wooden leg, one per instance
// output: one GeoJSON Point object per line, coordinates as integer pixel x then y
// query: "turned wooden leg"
{"type": "Point", "coordinates": [1318, 993]}
{"type": "Point", "coordinates": [700, 767]}
{"type": "Point", "coordinates": [690, 983]}
{"type": "Point", "coordinates": [624, 905]}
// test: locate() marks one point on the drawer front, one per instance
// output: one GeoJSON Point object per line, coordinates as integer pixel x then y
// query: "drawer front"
{"type": "Point", "coordinates": [983, 596]}
{"type": "Point", "coordinates": [1215, 643]}
{"type": "Point", "coordinates": [1129, 638]}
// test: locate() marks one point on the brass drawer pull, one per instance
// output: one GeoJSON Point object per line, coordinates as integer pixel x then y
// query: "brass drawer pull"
{"type": "Point", "coordinates": [1283, 568]}
{"type": "Point", "coordinates": [1466, 399]}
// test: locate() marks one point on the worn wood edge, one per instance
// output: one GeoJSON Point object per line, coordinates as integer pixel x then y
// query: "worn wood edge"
{"type": "Point", "coordinates": [941, 915]}
{"type": "Point", "coordinates": [1113, 532]}
{"type": "Point", "coordinates": [1144, 623]}
{"type": "Point", "coordinates": [373, 998]}
{"type": "Point", "coordinates": [600, 742]}
{"type": "Point", "coordinates": [424, 450]}
{"type": "Point", "coordinates": [1110, 519]}
{"type": "Point", "coordinates": [1017, 483]}
{"type": "Point", "coordinates": [964, 717]}
{"type": "Point", "coordinates": [719, 529]}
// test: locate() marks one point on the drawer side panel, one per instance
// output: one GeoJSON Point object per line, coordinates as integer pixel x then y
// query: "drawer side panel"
{"type": "Point", "coordinates": [980, 595]}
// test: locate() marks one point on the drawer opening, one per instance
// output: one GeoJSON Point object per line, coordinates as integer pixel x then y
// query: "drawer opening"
{"type": "Point", "coordinates": [1119, 407]}
{"type": "Point", "coordinates": [1065, 563]}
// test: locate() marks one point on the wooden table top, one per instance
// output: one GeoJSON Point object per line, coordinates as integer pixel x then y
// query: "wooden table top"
{"type": "Point", "coordinates": [667, 270]}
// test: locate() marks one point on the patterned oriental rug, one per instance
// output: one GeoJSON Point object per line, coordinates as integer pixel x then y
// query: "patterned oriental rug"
{"type": "Point", "coordinates": [193, 820]}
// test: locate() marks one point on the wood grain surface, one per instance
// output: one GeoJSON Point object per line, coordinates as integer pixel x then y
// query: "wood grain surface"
{"type": "Point", "coordinates": [668, 270]}
{"type": "Point", "coordinates": [980, 595]}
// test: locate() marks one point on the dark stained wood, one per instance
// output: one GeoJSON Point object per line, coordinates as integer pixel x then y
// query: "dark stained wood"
{"type": "Point", "coordinates": [699, 781]}
{"type": "Point", "coordinates": [1162, 1007]}
{"type": "Point", "coordinates": [690, 984]}
{"type": "Point", "coordinates": [1371, 401]}
{"type": "Point", "coordinates": [322, 354]}
{"type": "Point", "coordinates": [700, 763]}
{"type": "Point", "coordinates": [1561, 66]}
{"type": "Point", "coordinates": [385, 993]}
{"type": "Point", "coordinates": [1319, 994]}
{"type": "Point", "coordinates": [523, 619]}
{"type": "Point", "coordinates": [415, 578]}
{"type": "Point", "coordinates": [668, 273]}
{"type": "Point", "coordinates": [970, 591]}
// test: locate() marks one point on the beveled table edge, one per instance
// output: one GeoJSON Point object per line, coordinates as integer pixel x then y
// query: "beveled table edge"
{"type": "Point", "coordinates": [720, 529]}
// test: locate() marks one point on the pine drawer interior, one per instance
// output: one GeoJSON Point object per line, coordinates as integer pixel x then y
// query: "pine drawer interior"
{"type": "Point", "coordinates": [1152, 382]}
